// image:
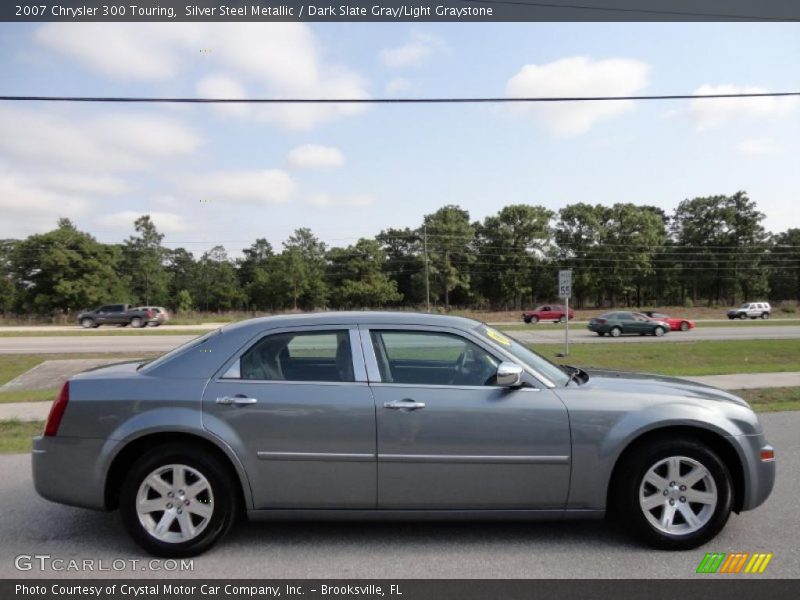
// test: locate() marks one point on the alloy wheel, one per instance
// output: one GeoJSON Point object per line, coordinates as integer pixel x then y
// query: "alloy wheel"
{"type": "Point", "coordinates": [175, 503]}
{"type": "Point", "coordinates": [678, 495]}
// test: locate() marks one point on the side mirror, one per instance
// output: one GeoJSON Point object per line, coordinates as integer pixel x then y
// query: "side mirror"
{"type": "Point", "coordinates": [509, 375]}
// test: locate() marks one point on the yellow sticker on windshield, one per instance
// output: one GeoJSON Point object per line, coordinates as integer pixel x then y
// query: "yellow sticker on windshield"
{"type": "Point", "coordinates": [498, 337]}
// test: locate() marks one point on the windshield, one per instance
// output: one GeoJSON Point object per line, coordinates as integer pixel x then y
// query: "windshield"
{"type": "Point", "coordinates": [538, 363]}
{"type": "Point", "coordinates": [151, 364]}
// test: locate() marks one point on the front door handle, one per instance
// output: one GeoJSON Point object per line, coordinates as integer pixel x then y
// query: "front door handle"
{"type": "Point", "coordinates": [236, 400]}
{"type": "Point", "coordinates": [405, 403]}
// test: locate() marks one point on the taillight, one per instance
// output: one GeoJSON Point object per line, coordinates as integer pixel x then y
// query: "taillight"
{"type": "Point", "coordinates": [57, 411]}
{"type": "Point", "coordinates": [601, 321]}
{"type": "Point", "coordinates": [767, 454]}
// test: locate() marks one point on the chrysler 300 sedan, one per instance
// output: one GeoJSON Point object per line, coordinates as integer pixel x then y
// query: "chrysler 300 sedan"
{"type": "Point", "coordinates": [393, 415]}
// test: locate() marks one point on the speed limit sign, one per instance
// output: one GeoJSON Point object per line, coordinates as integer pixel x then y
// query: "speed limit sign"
{"type": "Point", "coordinates": [565, 284]}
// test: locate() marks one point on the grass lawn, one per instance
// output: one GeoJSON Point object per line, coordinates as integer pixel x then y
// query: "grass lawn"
{"type": "Point", "coordinates": [15, 436]}
{"type": "Point", "coordinates": [104, 332]}
{"type": "Point", "coordinates": [689, 358]}
{"type": "Point", "coordinates": [772, 399]}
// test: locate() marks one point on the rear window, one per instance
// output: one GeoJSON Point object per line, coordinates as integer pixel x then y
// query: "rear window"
{"type": "Point", "coordinates": [157, 362]}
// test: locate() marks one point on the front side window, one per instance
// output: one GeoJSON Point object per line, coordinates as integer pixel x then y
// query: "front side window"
{"type": "Point", "coordinates": [299, 356]}
{"type": "Point", "coordinates": [538, 363]}
{"type": "Point", "coordinates": [432, 358]}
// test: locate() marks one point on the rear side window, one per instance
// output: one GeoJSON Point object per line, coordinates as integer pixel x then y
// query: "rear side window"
{"type": "Point", "coordinates": [299, 356]}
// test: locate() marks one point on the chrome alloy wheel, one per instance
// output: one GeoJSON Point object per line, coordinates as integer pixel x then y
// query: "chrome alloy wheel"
{"type": "Point", "coordinates": [175, 503]}
{"type": "Point", "coordinates": [678, 495]}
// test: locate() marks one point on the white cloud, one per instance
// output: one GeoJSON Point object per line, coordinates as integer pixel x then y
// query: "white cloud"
{"type": "Point", "coordinates": [419, 48]}
{"type": "Point", "coordinates": [113, 142]}
{"type": "Point", "coordinates": [325, 200]}
{"type": "Point", "coordinates": [269, 186]}
{"type": "Point", "coordinates": [280, 60]}
{"type": "Point", "coordinates": [79, 183]}
{"type": "Point", "coordinates": [577, 76]}
{"type": "Point", "coordinates": [165, 222]}
{"type": "Point", "coordinates": [27, 206]}
{"type": "Point", "coordinates": [314, 156]}
{"type": "Point", "coordinates": [713, 112]}
{"type": "Point", "coordinates": [757, 146]}
{"type": "Point", "coordinates": [398, 85]}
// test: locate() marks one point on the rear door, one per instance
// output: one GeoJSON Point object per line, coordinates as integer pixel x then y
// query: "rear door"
{"type": "Point", "coordinates": [297, 408]}
{"type": "Point", "coordinates": [448, 438]}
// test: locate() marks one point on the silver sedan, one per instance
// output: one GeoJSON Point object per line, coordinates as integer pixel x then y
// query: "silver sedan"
{"type": "Point", "coordinates": [393, 415]}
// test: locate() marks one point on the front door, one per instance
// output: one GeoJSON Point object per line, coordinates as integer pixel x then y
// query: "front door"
{"type": "Point", "coordinates": [448, 438]}
{"type": "Point", "coordinates": [298, 411]}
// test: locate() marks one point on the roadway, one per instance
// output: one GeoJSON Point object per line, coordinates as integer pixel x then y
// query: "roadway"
{"type": "Point", "coordinates": [31, 525]}
{"type": "Point", "coordinates": [98, 343]}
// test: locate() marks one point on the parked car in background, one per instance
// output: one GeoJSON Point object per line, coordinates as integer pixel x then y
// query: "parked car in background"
{"type": "Point", "coordinates": [751, 310]}
{"type": "Point", "coordinates": [548, 312]}
{"type": "Point", "coordinates": [675, 323]}
{"type": "Point", "coordinates": [160, 315]}
{"type": "Point", "coordinates": [116, 314]}
{"type": "Point", "coordinates": [393, 415]}
{"type": "Point", "coordinates": [618, 323]}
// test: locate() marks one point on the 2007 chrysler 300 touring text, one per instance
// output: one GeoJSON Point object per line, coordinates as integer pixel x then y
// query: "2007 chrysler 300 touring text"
{"type": "Point", "coordinates": [395, 415]}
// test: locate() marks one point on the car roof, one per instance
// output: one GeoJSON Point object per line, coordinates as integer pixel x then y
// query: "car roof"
{"type": "Point", "coordinates": [354, 317]}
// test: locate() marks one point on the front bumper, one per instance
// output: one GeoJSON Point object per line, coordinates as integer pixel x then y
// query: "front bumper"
{"type": "Point", "coordinates": [759, 475]}
{"type": "Point", "coordinates": [66, 470]}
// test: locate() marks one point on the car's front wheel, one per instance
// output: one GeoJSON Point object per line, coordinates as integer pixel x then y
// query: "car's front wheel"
{"type": "Point", "coordinates": [178, 501]}
{"type": "Point", "coordinates": [562, 319]}
{"type": "Point", "coordinates": [684, 326]}
{"type": "Point", "coordinates": [674, 495]}
{"type": "Point", "coordinates": [659, 331]}
{"type": "Point", "coordinates": [615, 332]}
{"type": "Point", "coordinates": [765, 315]}
{"type": "Point", "coordinates": [87, 323]}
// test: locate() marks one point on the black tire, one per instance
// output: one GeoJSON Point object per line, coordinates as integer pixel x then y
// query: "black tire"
{"type": "Point", "coordinates": [684, 326]}
{"type": "Point", "coordinates": [534, 319]}
{"type": "Point", "coordinates": [633, 468]}
{"type": "Point", "coordinates": [601, 333]}
{"type": "Point", "coordinates": [527, 320]}
{"type": "Point", "coordinates": [743, 316]}
{"type": "Point", "coordinates": [615, 332]}
{"type": "Point", "coordinates": [88, 323]}
{"type": "Point", "coordinates": [563, 319]}
{"type": "Point", "coordinates": [730, 317]}
{"type": "Point", "coordinates": [223, 485]}
{"type": "Point", "coordinates": [765, 315]}
{"type": "Point", "coordinates": [137, 322]}
{"type": "Point", "coordinates": [659, 331]}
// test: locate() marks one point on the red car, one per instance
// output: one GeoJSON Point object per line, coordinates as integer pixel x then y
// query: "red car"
{"type": "Point", "coordinates": [675, 324]}
{"type": "Point", "coordinates": [547, 312]}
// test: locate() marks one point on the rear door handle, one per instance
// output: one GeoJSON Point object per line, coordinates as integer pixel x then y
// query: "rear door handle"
{"type": "Point", "coordinates": [236, 400]}
{"type": "Point", "coordinates": [405, 403]}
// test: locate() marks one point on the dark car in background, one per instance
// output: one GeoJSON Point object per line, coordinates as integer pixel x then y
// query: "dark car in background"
{"type": "Point", "coordinates": [548, 312]}
{"type": "Point", "coordinates": [622, 322]}
{"type": "Point", "coordinates": [116, 314]}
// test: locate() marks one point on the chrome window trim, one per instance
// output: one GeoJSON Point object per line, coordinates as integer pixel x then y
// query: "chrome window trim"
{"type": "Point", "coordinates": [444, 386]}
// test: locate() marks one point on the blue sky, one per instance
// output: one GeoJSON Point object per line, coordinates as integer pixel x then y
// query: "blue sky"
{"type": "Point", "coordinates": [229, 175]}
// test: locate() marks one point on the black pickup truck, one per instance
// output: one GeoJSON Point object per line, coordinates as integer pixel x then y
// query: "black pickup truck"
{"type": "Point", "coordinates": [116, 314]}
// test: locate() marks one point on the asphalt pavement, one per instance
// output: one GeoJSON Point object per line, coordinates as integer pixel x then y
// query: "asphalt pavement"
{"type": "Point", "coordinates": [30, 525]}
{"type": "Point", "coordinates": [579, 335]}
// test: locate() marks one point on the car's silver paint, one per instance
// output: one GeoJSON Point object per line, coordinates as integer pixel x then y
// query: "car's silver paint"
{"type": "Point", "coordinates": [312, 448]}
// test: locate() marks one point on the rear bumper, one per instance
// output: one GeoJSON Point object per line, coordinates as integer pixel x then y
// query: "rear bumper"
{"type": "Point", "coordinates": [66, 470]}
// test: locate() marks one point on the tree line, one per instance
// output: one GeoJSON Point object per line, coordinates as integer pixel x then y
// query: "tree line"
{"type": "Point", "coordinates": [710, 250]}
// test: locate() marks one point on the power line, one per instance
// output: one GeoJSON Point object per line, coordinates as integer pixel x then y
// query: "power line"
{"type": "Point", "coordinates": [439, 100]}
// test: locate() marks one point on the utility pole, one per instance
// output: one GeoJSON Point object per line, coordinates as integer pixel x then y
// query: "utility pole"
{"type": "Point", "coordinates": [427, 276]}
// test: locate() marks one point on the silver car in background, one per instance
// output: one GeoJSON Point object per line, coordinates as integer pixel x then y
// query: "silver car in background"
{"type": "Point", "coordinates": [393, 415]}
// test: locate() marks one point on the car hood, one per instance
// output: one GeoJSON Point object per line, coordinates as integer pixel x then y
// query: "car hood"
{"type": "Point", "coordinates": [649, 384]}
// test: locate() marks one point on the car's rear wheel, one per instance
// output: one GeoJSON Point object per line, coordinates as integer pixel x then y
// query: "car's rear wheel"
{"type": "Point", "coordinates": [87, 323]}
{"type": "Point", "coordinates": [137, 322]}
{"type": "Point", "coordinates": [563, 319]}
{"type": "Point", "coordinates": [615, 332]}
{"type": "Point", "coordinates": [178, 501]}
{"type": "Point", "coordinates": [675, 495]}
{"type": "Point", "coordinates": [684, 326]}
{"type": "Point", "coordinates": [659, 331]}
{"type": "Point", "coordinates": [765, 315]}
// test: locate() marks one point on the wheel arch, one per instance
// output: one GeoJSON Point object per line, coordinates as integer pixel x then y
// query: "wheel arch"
{"type": "Point", "coordinates": [717, 442]}
{"type": "Point", "coordinates": [134, 448]}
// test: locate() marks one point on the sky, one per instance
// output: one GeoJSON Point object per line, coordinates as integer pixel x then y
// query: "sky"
{"type": "Point", "coordinates": [226, 175]}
